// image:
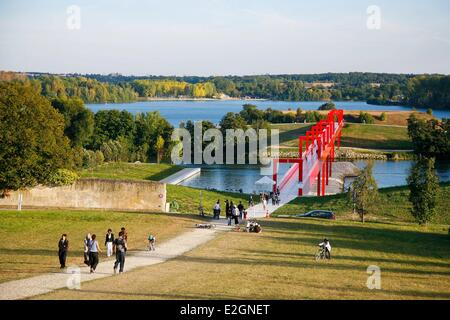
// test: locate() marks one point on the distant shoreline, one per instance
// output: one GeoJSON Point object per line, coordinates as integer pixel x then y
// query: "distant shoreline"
{"type": "Point", "coordinates": [199, 99]}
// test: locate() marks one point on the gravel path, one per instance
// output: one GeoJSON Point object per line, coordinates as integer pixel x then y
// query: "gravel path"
{"type": "Point", "coordinates": [25, 288]}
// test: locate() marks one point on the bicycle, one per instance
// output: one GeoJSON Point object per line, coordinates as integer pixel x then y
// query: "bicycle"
{"type": "Point", "coordinates": [321, 254]}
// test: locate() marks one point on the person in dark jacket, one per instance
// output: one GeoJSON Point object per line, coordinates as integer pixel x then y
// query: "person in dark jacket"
{"type": "Point", "coordinates": [241, 209]}
{"type": "Point", "coordinates": [63, 247]}
{"type": "Point", "coordinates": [120, 248]}
{"type": "Point", "coordinates": [227, 209]}
{"type": "Point", "coordinates": [109, 240]}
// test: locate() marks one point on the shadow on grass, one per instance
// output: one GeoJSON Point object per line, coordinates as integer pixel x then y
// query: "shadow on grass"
{"type": "Point", "coordinates": [368, 238]}
{"type": "Point", "coordinates": [37, 252]}
{"type": "Point", "coordinates": [155, 295]}
{"type": "Point", "coordinates": [338, 257]}
{"type": "Point", "coordinates": [163, 174]}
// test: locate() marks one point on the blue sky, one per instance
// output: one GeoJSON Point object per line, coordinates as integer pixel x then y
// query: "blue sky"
{"type": "Point", "coordinates": [221, 37]}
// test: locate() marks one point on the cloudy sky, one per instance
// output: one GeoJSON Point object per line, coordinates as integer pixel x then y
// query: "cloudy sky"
{"type": "Point", "coordinates": [221, 37]}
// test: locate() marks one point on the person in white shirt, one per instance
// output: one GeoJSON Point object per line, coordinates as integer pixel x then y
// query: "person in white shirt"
{"type": "Point", "coordinates": [327, 246]}
{"type": "Point", "coordinates": [217, 210]}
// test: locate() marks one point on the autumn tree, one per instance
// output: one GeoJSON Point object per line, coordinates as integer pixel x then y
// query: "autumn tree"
{"type": "Point", "coordinates": [32, 142]}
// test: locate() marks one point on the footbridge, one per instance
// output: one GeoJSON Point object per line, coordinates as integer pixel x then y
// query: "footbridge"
{"type": "Point", "coordinates": [314, 165]}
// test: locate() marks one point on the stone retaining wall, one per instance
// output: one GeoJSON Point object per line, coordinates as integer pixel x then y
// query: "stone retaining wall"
{"type": "Point", "coordinates": [95, 194]}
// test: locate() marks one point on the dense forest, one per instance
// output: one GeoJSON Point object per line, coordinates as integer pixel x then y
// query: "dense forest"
{"type": "Point", "coordinates": [426, 91]}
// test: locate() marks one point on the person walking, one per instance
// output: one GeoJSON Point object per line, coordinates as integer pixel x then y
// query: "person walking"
{"type": "Point", "coordinates": [124, 233]}
{"type": "Point", "coordinates": [241, 209]}
{"type": "Point", "coordinates": [230, 212]}
{"type": "Point", "coordinates": [120, 248]}
{"type": "Point", "coordinates": [109, 240]}
{"type": "Point", "coordinates": [217, 210]}
{"type": "Point", "coordinates": [250, 202]}
{"type": "Point", "coordinates": [87, 245]}
{"type": "Point", "coordinates": [63, 247]}
{"type": "Point", "coordinates": [93, 253]}
{"type": "Point", "coordinates": [151, 242]}
{"type": "Point", "coordinates": [227, 211]}
{"type": "Point", "coordinates": [235, 214]}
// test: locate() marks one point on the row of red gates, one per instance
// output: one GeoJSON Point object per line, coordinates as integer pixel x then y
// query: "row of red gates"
{"type": "Point", "coordinates": [315, 163]}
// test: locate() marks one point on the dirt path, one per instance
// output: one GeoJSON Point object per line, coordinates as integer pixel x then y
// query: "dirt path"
{"type": "Point", "coordinates": [25, 288]}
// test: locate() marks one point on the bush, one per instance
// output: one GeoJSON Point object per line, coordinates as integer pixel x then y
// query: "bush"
{"type": "Point", "coordinates": [430, 111]}
{"type": "Point", "coordinates": [383, 117]}
{"type": "Point", "coordinates": [328, 106]}
{"type": "Point", "coordinates": [92, 159]}
{"type": "Point", "coordinates": [174, 206]}
{"type": "Point", "coordinates": [62, 177]}
{"type": "Point", "coordinates": [366, 118]}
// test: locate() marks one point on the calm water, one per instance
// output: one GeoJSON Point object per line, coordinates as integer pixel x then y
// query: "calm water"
{"type": "Point", "coordinates": [178, 111]}
{"type": "Point", "coordinates": [234, 178]}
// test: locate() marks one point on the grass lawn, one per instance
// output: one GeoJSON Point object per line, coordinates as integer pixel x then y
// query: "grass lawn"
{"type": "Point", "coordinates": [392, 206]}
{"type": "Point", "coordinates": [131, 171]}
{"type": "Point", "coordinates": [375, 137]}
{"type": "Point", "coordinates": [189, 199]}
{"type": "Point", "coordinates": [397, 118]}
{"type": "Point", "coordinates": [353, 135]}
{"type": "Point", "coordinates": [29, 239]}
{"type": "Point", "coordinates": [279, 264]}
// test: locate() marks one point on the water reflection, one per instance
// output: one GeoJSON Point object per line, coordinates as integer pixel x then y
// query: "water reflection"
{"type": "Point", "coordinates": [243, 178]}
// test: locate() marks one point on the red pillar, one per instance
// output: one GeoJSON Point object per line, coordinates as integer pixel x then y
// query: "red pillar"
{"type": "Point", "coordinates": [300, 176]}
{"type": "Point", "coordinates": [318, 184]}
{"type": "Point", "coordinates": [327, 166]}
{"type": "Point", "coordinates": [323, 179]}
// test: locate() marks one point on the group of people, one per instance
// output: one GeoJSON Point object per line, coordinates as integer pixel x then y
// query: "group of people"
{"type": "Point", "coordinates": [117, 246]}
{"type": "Point", "coordinates": [266, 197]}
{"type": "Point", "coordinates": [113, 245]}
{"type": "Point", "coordinates": [232, 211]}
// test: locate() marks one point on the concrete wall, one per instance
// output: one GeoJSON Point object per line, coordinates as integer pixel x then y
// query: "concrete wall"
{"type": "Point", "coordinates": [95, 194]}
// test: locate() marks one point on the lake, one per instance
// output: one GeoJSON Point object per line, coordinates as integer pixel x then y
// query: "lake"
{"type": "Point", "coordinates": [234, 178]}
{"type": "Point", "coordinates": [213, 110]}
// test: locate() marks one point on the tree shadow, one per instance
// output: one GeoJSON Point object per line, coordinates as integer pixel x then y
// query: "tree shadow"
{"type": "Point", "coordinates": [397, 241]}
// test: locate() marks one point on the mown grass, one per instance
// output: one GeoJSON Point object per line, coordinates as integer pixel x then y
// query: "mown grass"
{"type": "Point", "coordinates": [353, 135]}
{"type": "Point", "coordinates": [29, 238]}
{"type": "Point", "coordinates": [375, 137]}
{"type": "Point", "coordinates": [189, 199]}
{"type": "Point", "coordinates": [279, 264]}
{"type": "Point", "coordinates": [393, 205]}
{"type": "Point", "coordinates": [131, 171]}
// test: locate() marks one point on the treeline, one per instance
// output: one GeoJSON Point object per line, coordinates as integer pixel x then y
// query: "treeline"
{"type": "Point", "coordinates": [86, 89]}
{"type": "Point", "coordinates": [171, 88]}
{"type": "Point", "coordinates": [425, 91]}
{"type": "Point", "coordinates": [112, 135]}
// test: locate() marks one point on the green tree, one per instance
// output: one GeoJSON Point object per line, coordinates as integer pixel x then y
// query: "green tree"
{"type": "Point", "coordinates": [32, 141]}
{"type": "Point", "coordinates": [328, 106]}
{"type": "Point", "coordinates": [366, 118]}
{"type": "Point", "coordinates": [430, 138]}
{"type": "Point", "coordinates": [363, 193]}
{"type": "Point", "coordinates": [110, 125]}
{"type": "Point", "coordinates": [159, 146]}
{"type": "Point", "coordinates": [79, 121]}
{"type": "Point", "coordinates": [424, 186]}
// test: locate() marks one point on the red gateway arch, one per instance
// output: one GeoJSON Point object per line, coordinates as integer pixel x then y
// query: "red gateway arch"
{"type": "Point", "coordinates": [315, 163]}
